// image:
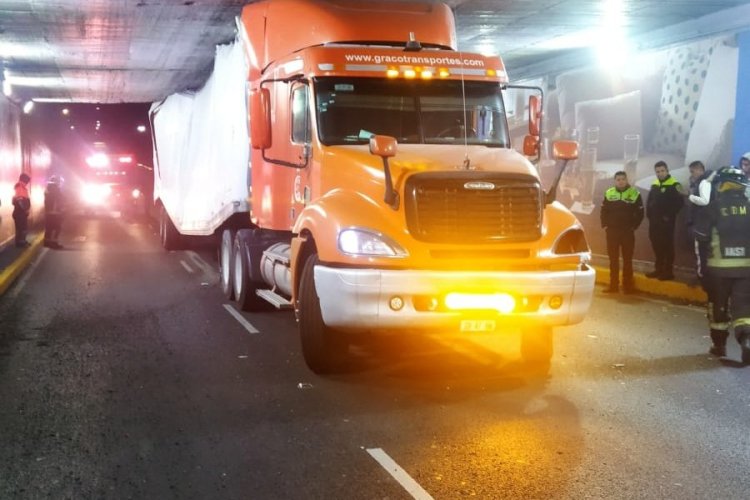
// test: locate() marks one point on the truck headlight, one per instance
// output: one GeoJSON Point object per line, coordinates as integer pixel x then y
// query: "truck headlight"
{"type": "Point", "coordinates": [366, 242]}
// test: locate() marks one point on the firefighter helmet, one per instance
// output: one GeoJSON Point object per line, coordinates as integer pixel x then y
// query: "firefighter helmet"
{"type": "Point", "coordinates": [731, 178]}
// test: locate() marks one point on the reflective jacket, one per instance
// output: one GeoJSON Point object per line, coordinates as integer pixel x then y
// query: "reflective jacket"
{"type": "Point", "coordinates": [622, 210]}
{"type": "Point", "coordinates": [664, 201]}
{"type": "Point", "coordinates": [21, 200]}
{"type": "Point", "coordinates": [730, 234]}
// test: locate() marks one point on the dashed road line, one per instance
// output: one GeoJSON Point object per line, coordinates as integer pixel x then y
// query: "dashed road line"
{"type": "Point", "coordinates": [186, 266]}
{"type": "Point", "coordinates": [200, 262]}
{"type": "Point", "coordinates": [242, 321]}
{"type": "Point", "coordinates": [404, 479]}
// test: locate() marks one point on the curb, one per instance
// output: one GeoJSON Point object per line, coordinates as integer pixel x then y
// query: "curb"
{"type": "Point", "coordinates": [10, 273]}
{"type": "Point", "coordinates": [671, 289]}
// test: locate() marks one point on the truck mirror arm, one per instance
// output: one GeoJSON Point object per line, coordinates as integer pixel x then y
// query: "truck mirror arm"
{"type": "Point", "coordinates": [551, 195]}
{"type": "Point", "coordinates": [391, 197]}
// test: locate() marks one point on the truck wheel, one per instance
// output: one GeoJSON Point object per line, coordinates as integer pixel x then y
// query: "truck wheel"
{"type": "Point", "coordinates": [170, 237]}
{"type": "Point", "coordinates": [226, 259]}
{"type": "Point", "coordinates": [536, 345]}
{"type": "Point", "coordinates": [324, 349]}
{"type": "Point", "coordinates": [244, 288]}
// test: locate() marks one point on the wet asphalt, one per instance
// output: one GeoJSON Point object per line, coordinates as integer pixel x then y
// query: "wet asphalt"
{"type": "Point", "coordinates": [124, 375]}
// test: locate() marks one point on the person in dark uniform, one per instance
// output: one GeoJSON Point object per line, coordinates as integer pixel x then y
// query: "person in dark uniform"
{"type": "Point", "coordinates": [728, 269]}
{"type": "Point", "coordinates": [53, 212]}
{"type": "Point", "coordinates": [621, 214]}
{"type": "Point", "coordinates": [695, 212]}
{"type": "Point", "coordinates": [21, 209]}
{"type": "Point", "coordinates": [663, 204]}
{"type": "Point", "coordinates": [745, 163]}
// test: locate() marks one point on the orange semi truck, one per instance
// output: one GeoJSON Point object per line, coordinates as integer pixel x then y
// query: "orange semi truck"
{"type": "Point", "coordinates": [383, 196]}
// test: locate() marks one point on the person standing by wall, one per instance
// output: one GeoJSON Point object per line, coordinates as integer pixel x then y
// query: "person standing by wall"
{"type": "Point", "coordinates": [745, 164]}
{"type": "Point", "coordinates": [663, 204]}
{"type": "Point", "coordinates": [695, 215]}
{"type": "Point", "coordinates": [53, 212]}
{"type": "Point", "coordinates": [728, 269]}
{"type": "Point", "coordinates": [621, 214]}
{"type": "Point", "coordinates": [21, 209]}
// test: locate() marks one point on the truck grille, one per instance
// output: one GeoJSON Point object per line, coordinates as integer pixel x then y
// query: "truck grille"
{"type": "Point", "coordinates": [444, 208]}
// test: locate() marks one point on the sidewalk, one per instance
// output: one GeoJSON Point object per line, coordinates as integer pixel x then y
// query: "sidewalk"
{"type": "Point", "coordinates": [673, 289]}
{"type": "Point", "coordinates": [14, 260]}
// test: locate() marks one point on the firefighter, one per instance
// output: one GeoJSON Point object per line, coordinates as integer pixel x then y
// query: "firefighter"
{"type": "Point", "coordinates": [728, 269]}
{"type": "Point", "coordinates": [621, 214]}
{"type": "Point", "coordinates": [21, 209]}
{"type": "Point", "coordinates": [53, 212]}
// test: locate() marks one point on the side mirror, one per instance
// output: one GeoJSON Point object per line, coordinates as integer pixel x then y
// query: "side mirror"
{"type": "Point", "coordinates": [565, 150]}
{"type": "Point", "coordinates": [535, 115]}
{"type": "Point", "coordinates": [383, 145]}
{"type": "Point", "coordinates": [260, 123]}
{"type": "Point", "coordinates": [531, 145]}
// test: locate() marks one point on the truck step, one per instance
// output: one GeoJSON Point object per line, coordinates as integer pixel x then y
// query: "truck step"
{"type": "Point", "coordinates": [274, 298]}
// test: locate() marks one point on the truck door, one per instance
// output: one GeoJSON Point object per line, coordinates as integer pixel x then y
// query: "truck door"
{"type": "Point", "coordinates": [283, 175]}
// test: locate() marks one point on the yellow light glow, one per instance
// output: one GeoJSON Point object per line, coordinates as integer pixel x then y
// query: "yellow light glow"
{"type": "Point", "coordinates": [427, 74]}
{"type": "Point", "coordinates": [391, 73]}
{"type": "Point", "coordinates": [555, 302]}
{"type": "Point", "coordinates": [501, 302]}
{"type": "Point", "coordinates": [410, 73]}
{"type": "Point", "coordinates": [444, 73]}
{"type": "Point", "coordinates": [491, 72]}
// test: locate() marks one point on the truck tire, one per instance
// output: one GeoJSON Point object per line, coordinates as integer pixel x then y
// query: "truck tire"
{"type": "Point", "coordinates": [324, 349]}
{"type": "Point", "coordinates": [244, 288]}
{"type": "Point", "coordinates": [168, 234]}
{"type": "Point", "coordinates": [536, 346]}
{"type": "Point", "coordinates": [226, 262]}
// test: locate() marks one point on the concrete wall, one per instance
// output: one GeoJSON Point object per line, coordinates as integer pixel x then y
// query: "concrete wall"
{"type": "Point", "coordinates": [19, 155]}
{"type": "Point", "coordinates": [742, 117]}
{"type": "Point", "coordinates": [11, 161]}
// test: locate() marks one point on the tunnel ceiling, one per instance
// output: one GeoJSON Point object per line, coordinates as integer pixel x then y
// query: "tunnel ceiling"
{"type": "Point", "coordinates": [112, 51]}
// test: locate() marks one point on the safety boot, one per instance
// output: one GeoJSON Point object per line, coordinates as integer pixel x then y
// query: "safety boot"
{"type": "Point", "coordinates": [719, 339]}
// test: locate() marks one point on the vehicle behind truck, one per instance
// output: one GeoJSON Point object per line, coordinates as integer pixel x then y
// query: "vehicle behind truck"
{"type": "Point", "coordinates": [375, 191]}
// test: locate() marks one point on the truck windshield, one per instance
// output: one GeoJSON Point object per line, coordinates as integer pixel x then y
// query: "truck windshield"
{"type": "Point", "coordinates": [350, 110]}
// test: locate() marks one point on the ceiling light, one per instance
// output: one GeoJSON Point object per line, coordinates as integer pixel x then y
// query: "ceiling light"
{"type": "Point", "coordinates": [28, 106]}
{"type": "Point", "coordinates": [141, 128]}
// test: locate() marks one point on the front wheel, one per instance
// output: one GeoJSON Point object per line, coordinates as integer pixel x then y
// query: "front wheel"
{"type": "Point", "coordinates": [324, 349]}
{"type": "Point", "coordinates": [536, 345]}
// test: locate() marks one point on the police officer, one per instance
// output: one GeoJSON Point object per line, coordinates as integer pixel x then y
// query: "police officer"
{"type": "Point", "coordinates": [728, 269]}
{"type": "Point", "coordinates": [663, 204]}
{"type": "Point", "coordinates": [621, 214]}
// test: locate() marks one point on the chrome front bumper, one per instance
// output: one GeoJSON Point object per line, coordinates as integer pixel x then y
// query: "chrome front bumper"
{"type": "Point", "coordinates": [358, 299]}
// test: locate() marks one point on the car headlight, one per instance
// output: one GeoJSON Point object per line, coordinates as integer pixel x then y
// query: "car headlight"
{"type": "Point", "coordinates": [365, 242]}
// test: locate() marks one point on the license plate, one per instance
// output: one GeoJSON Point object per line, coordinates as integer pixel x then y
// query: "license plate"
{"type": "Point", "coordinates": [478, 325]}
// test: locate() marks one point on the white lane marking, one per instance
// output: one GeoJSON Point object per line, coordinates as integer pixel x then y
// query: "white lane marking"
{"type": "Point", "coordinates": [22, 282]}
{"type": "Point", "coordinates": [399, 474]}
{"type": "Point", "coordinates": [198, 260]}
{"type": "Point", "coordinates": [242, 321]}
{"type": "Point", "coordinates": [186, 266]}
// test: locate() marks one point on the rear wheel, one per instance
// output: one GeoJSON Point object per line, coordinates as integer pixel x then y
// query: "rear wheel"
{"type": "Point", "coordinates": [244, 288]}
{"type": "Point", "coordinates": [324, 349]}
{"type": "Point", "coordinates": [226, 261]}
{"type": "Point", "coordinates": [170, 237]}
{"type": "Point", "coordinates": [536, 346]}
